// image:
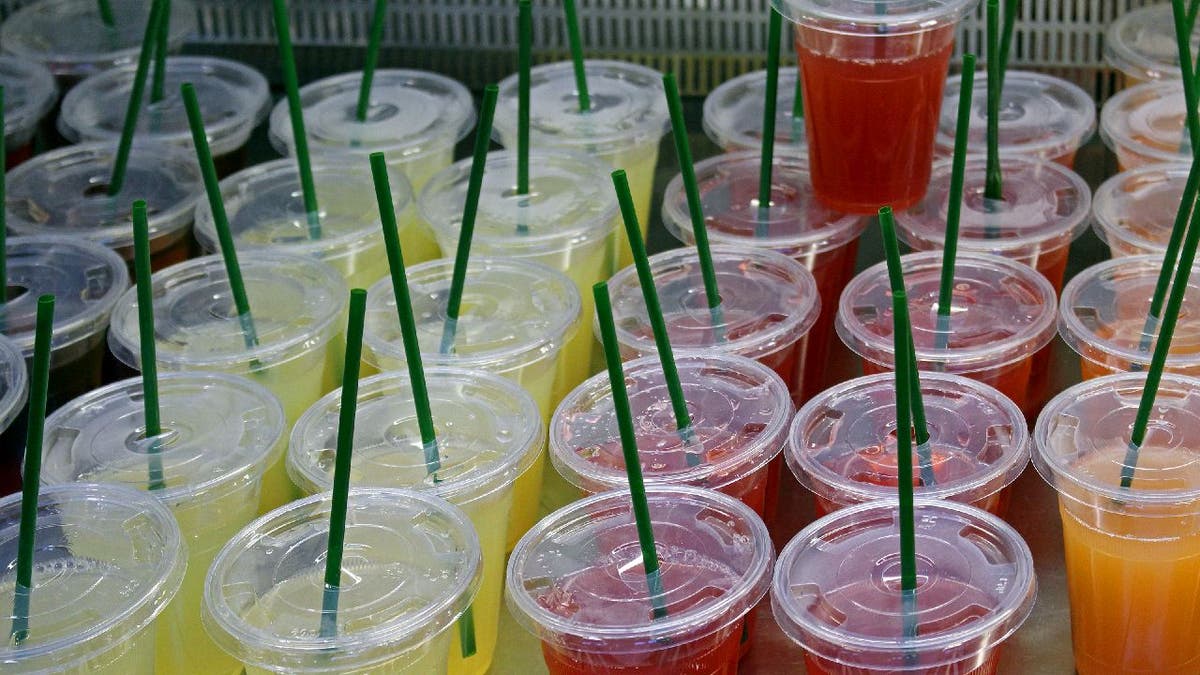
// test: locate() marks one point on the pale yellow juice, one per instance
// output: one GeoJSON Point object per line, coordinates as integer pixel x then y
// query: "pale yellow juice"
{"type": "Point", "coordinates": [639, 163]}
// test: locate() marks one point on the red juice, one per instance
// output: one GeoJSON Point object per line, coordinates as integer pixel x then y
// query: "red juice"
{"type": "Point", "coordinates": [1012, 380]}
{"type": "Point", "coordinates": [14, 156]}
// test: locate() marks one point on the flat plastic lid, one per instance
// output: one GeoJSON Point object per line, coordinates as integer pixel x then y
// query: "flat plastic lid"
{"type": "Point", "coordinates": [71, 39]}
{"type": "Point", "coordinates": [29, 93]}
{"type": "Point", "coordinates": [859, 17]}
{"type": "Point", "coordinates": [489, 431]}
{"type": "Point", "coordinates": [64, 192]}
{"type": "Point", "coordinates": [738, 407]}
{"type": "Point", "coordinates": [570, 201]}
{"type": "Point", "coordinates": [1041, 115]}
{"type": "Point", "coordinates": [628, 107]}
{"type": "Point", "coordinates": [217, 428]}
{"type": "Point", "coordinates": [513, 313]}
{"type": "Point", "coordinates": [1141, 43]}
{"type": "Point", "coordinates": [733, 112]}
{"type": "Point", "coordinates": [107, 559]}
{"type": "Point", "coordinates": [86, 279]}
{"type": "Point", "coordinates": [412, 113]}
{"type": "Point", "coordinates": [842, 443]}
{"type": "Point", "coordinates": [1137, 207]}
{"type": "Point", "coordinates": [1148, 120]}
{"type": "Point", "coordinates": [411, 568]}
{"type": "Point", "coordinates": [1003, 312]}
{"type": "Point", "coordinates": [14, 382]}
{"type": "Point", "coordinates": [297, 305]}
{"type": "Point", "coordinates": [1044, 207]}
{"type": "Point", "coordinates": [837, 593]}
{"type": "Point", "coordinates": [233, 100]}
{"type": "Point", "coordinates": [797, 223]}
{"type": "Point", "coordinates": [576, 579]}
{"type": "Point", "coordinates": [768, 302]}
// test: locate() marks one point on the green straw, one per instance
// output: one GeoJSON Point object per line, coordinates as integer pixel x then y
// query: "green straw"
{"type": "Point", "coordinates": [576, 42]}
{"type": "Point", "coordinates": [524, 58]}
{"type": "Point", "coordinates": [993, 185]}
{"type": "Point", "coordinates": [145, 298]}
{"type": "Point", "coordinates": [908, 544]}
{"type": "Point", "coordinates": [633, 467]}
{"type": "Point", "coordinates": [954, 205]}
{"type": "Point", "coordinates": [117, 179]}
{"type": "Point", "coordinates": [39, 384]}
{"type": "Point", "coordinates": [774, 31]}
{"type": "Point", "coordinates": [368, 73]}
{"type": "Point", "coordinates": [1193, 8]}
{"type": "Point", "coordinates": [292, 86]}
{"type": "Point", "coordinates": [106, 13]}
{"type": "Point", "coordinates": [158, 82]}
{"type": "Point", "coordinates": [1006, 37]}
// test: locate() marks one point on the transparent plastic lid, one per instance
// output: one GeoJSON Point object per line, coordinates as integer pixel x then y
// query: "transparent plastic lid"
{"type": "Point", "coordinates": [29, 93]}
{"type": "Point", "coordinates": [85, 279]}
{"type": "Point", "coordinates": [72, 40]}
{"type": "Point", "coordinates": [412, 113]}
{"type": "Point", "coordinates": [65, 192]}
{"type": "Point", "coordinates": [768, 302]}
{"type": "Point", "coordinates": [837, 592]}
{"type": "Point", "coordinates": [233, 100]}
{"type": "Point", "coordinates": [217, 428]}
{"type": "Point", "coordinates": [297, 305]}
{"type": "Point", "coordinates": [797, 224]}
{"type": "Point", "coordinates": [1148, 121]}
{"type": "Point", "coordinates": [733, 112]}
{"type": "Point", "coordinates": [489, 431]}
{"type": "Point", "coordinates": [842, 443]}
{"type": "Point", "coordinates": [1136, 209]}
{"type": "Point", "coordinates": [14, 382]}
{"type": "Point", "coordinates": [738, 407]}
{"type": "Point", "coordinates": [1041, 115]}
{"type": "Point", "coordinates": [576, 579]}
{"type": "Point", "coordinates": [107, 560]}
{"type": "Point", "coordinates": [628, 107]}
{"type": "Point", "coordinates": [1003, 312]}
{"type": "Point", "coordinates": [874, 17]}
{"type": "Point", "coordinates": [411, 568]}
{"type": "Point", "coordinates": [1141, 43]}
{"type": "Point", "coordinates": [513, 312]}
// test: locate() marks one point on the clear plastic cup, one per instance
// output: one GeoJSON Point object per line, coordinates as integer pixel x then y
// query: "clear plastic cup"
{"type": "Point", "coordinates": [30, 92]}
{"type": "Point", "coordinates": [1141, 44]}
{"type": "Point", "coordinates": [1145, 125]}
{"type": "Point", "coordinates": [65, 192]}
{"type": "Point", "coordinates": [1003, 315]}
{"type": "Point", "coordinates": [1041, 116]}
{"type": "Point", "coordinates": [265, 207]}
{"type": "Point", "coordinates": [855, 57]}
{"type": "Point", "coordinates": [623, 128]}
{"type": "Point", "coordinates": [836, 591]}
{"type": "Point", "coordinates": [411, 568]}
{"type": "Point", "coordinates": [415, 118]}
{"type": "Point", "coordinates": [842, 443]}
{"type": "Point", "coordinates": [14, 392]}
{"type": "Point", "coordinates": [107, 561]}
{"type": "Point", "coordinates": [220, 434]}
{"type": "Point", "coordinates": [733, 113]}
{"type": "Point", "coordinates": [578, 584]}
{"type": "Point", "coordinates": [1134, 211]}
{"type": "Point", "coordinates": [489, 432]}
{"type": "Point", "coordinates": [1132, 554]}
{"type": "Point", "coordinates": [233, 100]}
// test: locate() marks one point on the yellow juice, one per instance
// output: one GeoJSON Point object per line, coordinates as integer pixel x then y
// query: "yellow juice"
{"type": "Point", "coordinates": [639, 163]}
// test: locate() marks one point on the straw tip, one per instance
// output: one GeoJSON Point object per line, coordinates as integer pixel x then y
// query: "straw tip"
{"type": "Point", "coordinates": [358, 294]}
{"type": "Point", "coordinates": [492, 88]}
{"type": "Point", "coordinates": [885, 211]}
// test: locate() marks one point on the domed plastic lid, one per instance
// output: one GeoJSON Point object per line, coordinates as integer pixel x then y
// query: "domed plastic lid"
{"type": "Point", "coordinates": [513, 312]}
{"type": "Point", "coordinates": [1148, 121]}
{"type": "Point", "coordinates": [412, 113]}
{"type": "Point", "coordinates": [733, 112]}
{"type": "Point", "coordinates": [628, 107]}
{"type": "Point", "coordinates": [86, 280]}
{"type": "Point", "coordinates": [411, 567]}
{"type": "Point", "coordinates": [65, 192]}
{"type": "Point", "coordinates": [1041, 115]}
{"type": "Point", "coordinates": [107, 560]}
{"type": "Point", "coordinates": [297, 304]}
{"type": "Point", "coordinates": [859, 17]}
{"type": "Point", "coordinates": [215, 428]}
{"type": "Point", "coordinates": [1142, 44]}
{"type": "Point", "coordinates": [739, 410]}
{"type": "Point", "coordinates": [14, 382]}
{"type": "Point", "coordinates": [1135, 210]}
{"type": "Point", "coordinates": [1003, 312]}
{"type": "Point", "coordinates": [29, 93]}
{"type": "Point", "coordinates": [489, 431]}
{"type": "Point", "coordinates": [73, 41]}
{"type": "Point", "coordinates": [233, 100]}
{"type": "Point", "coordinates": [837, 592]}
{"type": "Point", "coordinates": [797, 223]}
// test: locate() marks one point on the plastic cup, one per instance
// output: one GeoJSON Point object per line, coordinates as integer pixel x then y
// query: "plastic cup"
{"type": "Point", "coordinates": [578, 584]}
{"type": "Point", "coordinates": [65, 192]}
{"type": "Point", "coordinates": [265, 207]}
{"type": "Point", "coordinates": [233, 100]}
{"type": "Point", "coordinates": [416, 118]}
{"type": "Point", "coordinates": [220, 433]}
{"type": "Point", "coordinates": [623, 128]}
{"type": "Point", "coordinates": [733, 113]}
{"type": "Point", "coordinates": [298, 306]}
{"type": "Point", "coordinates": [1141, 44]}
{"type": "Point", "coordinates": [488, 434]}
{"type": "Point", "coordinates": [1134, 211]}
{"type": "Point", "coordinates": [1132, 554]}
{"type": "Point", "coordinates": [14, 392]}
{"type": "Point", "coordinates": [842, 443]}
{"type": "Point", "coordinates": [1041, 116]}
{"type": "Point", "coordinates": [1003, 315]}
{"type": "Point", "coordinates": [29, 94]}
{"type": "Point", "coordinates": [836, 591]}
{"type": "Point", "coordinates": [855, 57]}
{"type": "Point", "coordinates": [410, 569]}
{"type": "Point", "coordinates": [107, 561]}
{"type": "Point", "coordinates": [1145, 125]}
